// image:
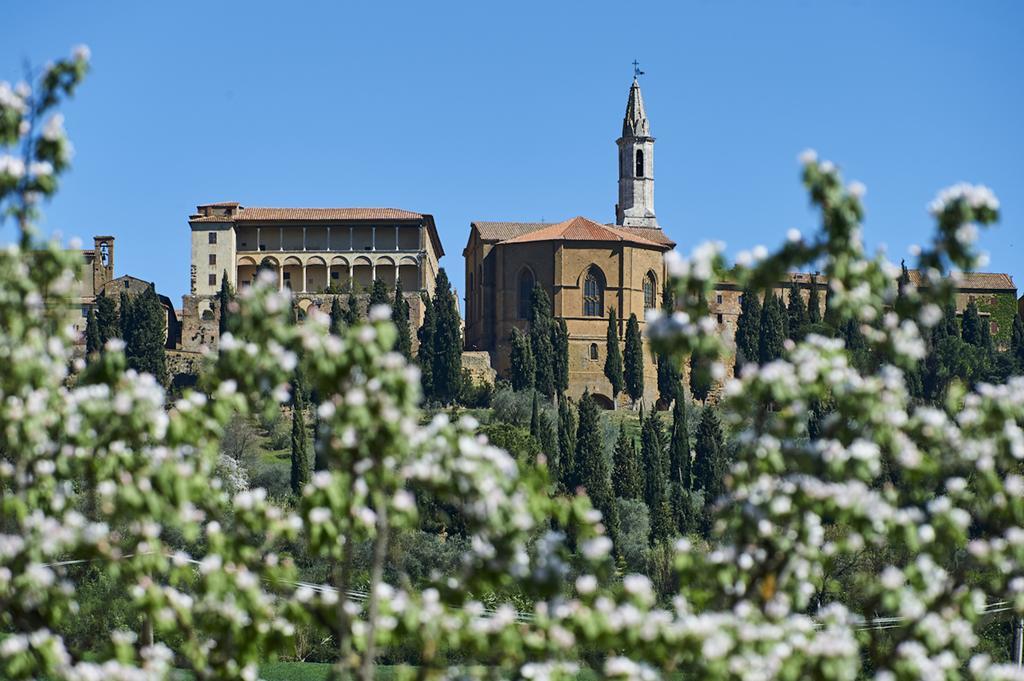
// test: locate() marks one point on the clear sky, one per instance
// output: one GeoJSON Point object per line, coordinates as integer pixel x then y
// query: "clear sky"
{"type": "Point", "coordinates": [509, 111]}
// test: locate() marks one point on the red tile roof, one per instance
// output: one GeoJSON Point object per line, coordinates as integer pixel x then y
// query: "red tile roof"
{"type": "Point", "coordinates": [500, 231]}
{"type": "Point", "coordinates": [308, 214]}
{"type": "Point", "coordinates": [581, 229]}
{"type": "Point", "coordinates": [976, 280]}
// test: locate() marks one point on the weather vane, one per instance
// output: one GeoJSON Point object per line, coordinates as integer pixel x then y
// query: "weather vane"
{"type": "Point", "coordinates": [636, 69]}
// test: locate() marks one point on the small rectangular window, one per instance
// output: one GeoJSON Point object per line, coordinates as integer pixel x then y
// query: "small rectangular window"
{"type": "Point", "coordinates": [718, 299]}
{"type": "Point", "coordinates": [720, 317]}
{"type": "Point", "coordinates": [213, 280]}
{"type": "Point", "coordinates": [213, 237]}
{"type": "Point", "coordinates": [213, 258]}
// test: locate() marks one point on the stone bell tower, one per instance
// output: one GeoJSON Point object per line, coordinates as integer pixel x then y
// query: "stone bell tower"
{"type": "Point", "coordinates": [636, 165]}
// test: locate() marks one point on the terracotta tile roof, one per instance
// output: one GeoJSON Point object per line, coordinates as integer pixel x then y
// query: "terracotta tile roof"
{"type": "Point", "coordinates": [311, 214]}
{"type": "Point", "coordinates": [501, 231]}
{"type": "Point", "coordinates": [581, 229]}
{"type": "Point", "coordinates": [648, 233]}
{"type": "Point", "coordinates": [997, 281]}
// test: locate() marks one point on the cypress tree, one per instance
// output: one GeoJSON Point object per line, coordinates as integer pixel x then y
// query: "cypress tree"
{"type": "Point", "coordinates": [224, 298]}
{"type": "Point", "coordinates": [351, 317]}
{"type": "Point", "coordinates": [681, 508]}
{"type": "Point", "coordinates": [400, 318]}
{"type": "Point", "coordinates": [814, 303]}
{"type": "Point", "coordinates": [633, 370]}
{"type": "Point", "coordinates": [679, 447]}
{"type": "Point", "coordinates": [748, 330]}
{"type": "Point", "coordinates": [796, 312]}
{"type": "Point", "coordinates": [1017, 342]}
{"type": "Point", "coordinates": [613, 360]}
{"type": "Point", "coordinates": [971, 326]}
{"type": "Point", "coordinates": [700, 378]}
{"type": "Point", "coordinates": [591, 467]}
{"type": "Point", "coordinates": [92, 336]}
{"type": "Point", "coordinates": [560, 355]}
{"type": "Point", "coordinates": [425, 356]}
{"type": "Point", "coordinates": [567, 444]}
{"type": "Point", "coordinates": [337, 316]}
{"type": "Point", "coordinates": [773, 332]}
{"type": "Point", "coordinates": [831, 316]}
{"type": "Point", "coordinates": [540, 340]}
{"type": "Point", "coordinates": [626, 475]}
{"type": "Point", "coordinates": [300, 473]}
{"type": "Point", "coordinates": [709, 459]}
{"type": "Point", "coordinates": [124, 317]}
{"type": "Point", "coordinates": [144, 340]}
{"type": "Point", "coordinates": [535, 417]}
{"type": "Point", "coordinates": [653, 464]}
{"type": "Point", "coordinates": [378, 294]}
{"type": "Point", "coordinates": [668, 367]}
{"type": "Point", "coordinates": [522, 366]}
{"type": "Point", "coordinates": [447, 341]}
{"type": "Point", "coordinates": [107, 323]}
{"type": "Point", "coordinates": [949, 319]}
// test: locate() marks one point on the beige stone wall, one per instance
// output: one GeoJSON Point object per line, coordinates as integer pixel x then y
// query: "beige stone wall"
{"type": "Point", "coordinates": [222, 252]}
{"type": "Point", "coordinates": [560, 267]}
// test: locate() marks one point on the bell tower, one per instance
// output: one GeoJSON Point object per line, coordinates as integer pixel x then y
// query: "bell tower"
{"type": "Point", "coordinates": [636, 163]}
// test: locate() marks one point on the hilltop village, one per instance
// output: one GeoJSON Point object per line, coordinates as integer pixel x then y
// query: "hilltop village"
{"type": "Point", "coordinates": [589, 269]}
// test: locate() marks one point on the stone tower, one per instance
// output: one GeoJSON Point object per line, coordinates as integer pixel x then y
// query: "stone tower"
{"type": "Point", "coordinates": [636, 166]}
{"type": "Point", "coordinates": [103, 261]}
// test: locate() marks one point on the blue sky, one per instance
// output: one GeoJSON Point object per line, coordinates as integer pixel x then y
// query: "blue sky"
{"type": "Point", "coordinates": [510, 111]}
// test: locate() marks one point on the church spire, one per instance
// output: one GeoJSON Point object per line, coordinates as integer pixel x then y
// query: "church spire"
{"type": "Point", "coordinates": [635, 123]}
{"type": "Point", "coordinates": [636, 163]}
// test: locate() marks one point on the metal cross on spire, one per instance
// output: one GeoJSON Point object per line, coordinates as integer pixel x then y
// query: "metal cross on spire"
{"type": "Point", "coordinates": [636, 70]}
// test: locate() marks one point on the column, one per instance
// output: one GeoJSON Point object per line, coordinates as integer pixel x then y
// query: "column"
{"type": "Point", "coordinates": [303, 244]}
{"type": "Point", "coordinates": [280, 277]}
{"type": "Point", "coordinates": [373, 271]}
{"type": "Point", "coordinates": [396, 243]}
{"type": "Point", "coordinates": [303, 273]}
{"type": "Point", "coordinates": [258, 248]}
{"type": "Point", "coordinates": [350, 241]}
{"type": "Point", "coordinates": [280, 238]}
{"type": "Point", "coordinates": [350, 273]}
{"type": "Point", "coordinates": [328, 246]}
{"type": "Point", "coordinates": [373, 238]}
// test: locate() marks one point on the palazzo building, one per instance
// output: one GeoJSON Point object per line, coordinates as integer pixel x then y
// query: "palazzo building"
{"type": "Point", "coordinates": [313, 252]}
{"type": "Point", "coordinates": [586, 267]}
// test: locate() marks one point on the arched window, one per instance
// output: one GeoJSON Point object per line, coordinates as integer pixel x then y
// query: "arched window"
{"type": "Point", "coordinates": [525, 290]}
{"type": "Point", "coordinates": [593, 351]}
{"type": "Point", "coordinates": [593, 293]}
{"type": "Point", "coordinates": [650, 291]}
{"type": "Point", "coordinates": [639, 162]}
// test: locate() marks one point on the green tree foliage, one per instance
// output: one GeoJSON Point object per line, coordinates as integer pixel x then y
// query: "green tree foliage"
{"type": "Point", "coordinates": [560, 355]}
{"type": "Point", "coordinates": [748, 330]}
{"type": "Point", "coordinates": [679, 446]}
{"type": "Point", "coordinates": [627, 478]}
{"type": "Point", "coordinates": [337, 316]}
{"type": "Point", "coordinates": [567, 444]}
{"type": "Point", "coordinates": [796, 313]}
{"type": "Point", "coordinates": [400, 318]}
{"type": "Point", "coordinates": [709, 464]}
{"type": "Point", "coordinates": [613, 359]}
{"type": "Point", "coordinates": [145, 327]}
{"type": "Point", "coordinates": [124, 315]}
{"type": "Point", "coordinates": [633, 359]}
{"type": "Point", "coordinates": [591, 466]}
{"type": "Point", "coordinates": [535, 424]}
{"type": "Point", "coordinates": [447, 373]}
{"type": "Point", "coordinates": [224, 298]}
{"type": "Point", "coordinates": [379, 294]}
{"type": "Point", "coordinates": [300, 462]}
{"type": "Point", "coordinates": [814, 302]}
{"type": "Point", "coordinates": [773, 330]}
{"type": "Point", "coordinates": [1017, 342]}
{"type": "Point", "coordinates": [541, 342]}
{"type": "Point", "coordinates": [669, 387]}
{"type": "Point", "coordinates": [680, 503]}
{"type": "Point", "coordinates": [515, 440]}
{"type": "Point", "coordinates": [352, 310]}
{"type": "Point", "coordinates": [92, 336]}
{"type": "Point", "coordinates": [700, 379]}
{"type": "Point", "coordinates": [522, 366]}
{"type": "Point", "coordinates": [652, 457]}
{"type": "Point", "coordinates": [425, 356]}
{"type": "Point", "coordinates": [107, 322]}
{"type": "Point", "coordinates": [971, 325]}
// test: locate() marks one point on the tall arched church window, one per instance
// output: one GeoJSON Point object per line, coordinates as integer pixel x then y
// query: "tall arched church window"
{"type": "Point", "coordinates": [639, 162]}
{"type": "Point", "coordinates": [526, 282]}
{"type": "Point", "coordinates": [650, 292]}
{"type": "Point", "coordinates": [593, 293]}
